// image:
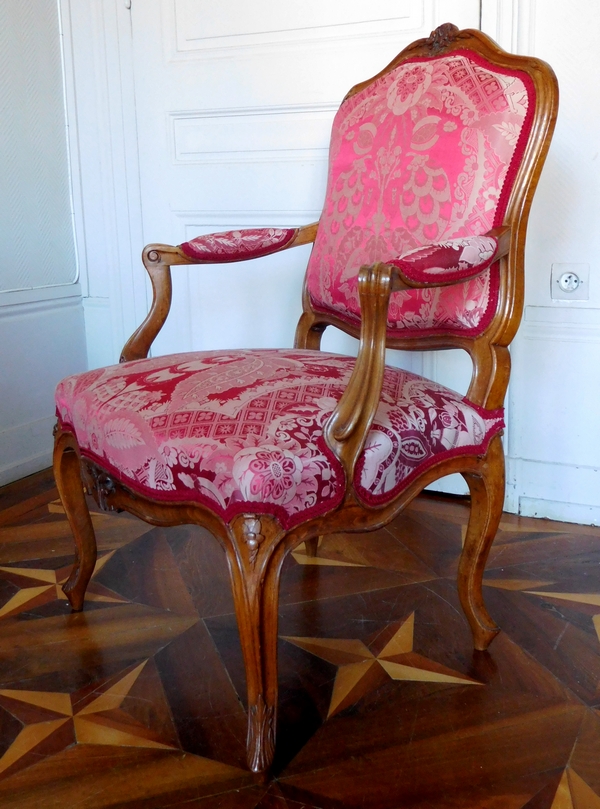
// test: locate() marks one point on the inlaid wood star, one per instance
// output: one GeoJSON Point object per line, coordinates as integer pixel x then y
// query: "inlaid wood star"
{"type": "Point", "coordinates": [515, 584]}
{"type": "Point", "coordinates": [573, 792]}
{"type": "Point", "coordinates": [592, 599]}
{"type": "Point", "coordinates": [53, 720]}
{"type": "Point", "coordinates": [39, 586]}
{"type": "Point", "coordinates": [302, 558]}
{"type": "Point", "coordinates": [362, 667]}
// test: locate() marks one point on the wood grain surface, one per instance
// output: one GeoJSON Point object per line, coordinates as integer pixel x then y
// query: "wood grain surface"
{"type": "Point", "coordinates": [140, 700]}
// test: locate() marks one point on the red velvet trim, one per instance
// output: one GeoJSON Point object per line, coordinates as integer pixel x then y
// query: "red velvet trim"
{"type": "Point", "coordinates": [147, 423]}
{"type": "Point", "coordinates": [416, 266]}
{"type": "Point", "coordinates": [286, 520]}
{"type": "Point", "coordinates": [456, 452]}
{"type": "Point", "coordinates": [237, 245]}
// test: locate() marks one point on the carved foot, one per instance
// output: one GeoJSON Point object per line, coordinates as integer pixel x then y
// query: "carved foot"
{"type": "Point", "coordinates": [487, 499]}
{"type": "Point", "coordinates": [70, 488]}
{"type": "Point", "coordinates": [74, 588]}
{"type": "Point", "coordinates": [260, 744]}
{"type": "Point", "coordinates": [255, 557]}
{"type": "Point", "coordinates": [483, 635]}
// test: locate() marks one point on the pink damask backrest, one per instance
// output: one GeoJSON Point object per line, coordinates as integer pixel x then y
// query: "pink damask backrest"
{"type": "Point", "coordinates": [426, 152]}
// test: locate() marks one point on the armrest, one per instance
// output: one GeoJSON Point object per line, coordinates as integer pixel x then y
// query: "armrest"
{"type": "Point", "coordinates": [240, 245]}
{"type": "Point", "coordinates": [233, 246]}
{"type": "Point", "coordinates": [450, 262]}
{"type": "Point", "coordinates": [454, 261]}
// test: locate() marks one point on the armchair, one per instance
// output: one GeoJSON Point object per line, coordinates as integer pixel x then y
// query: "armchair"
{"type": "Point", "coordinates": [433, 166]}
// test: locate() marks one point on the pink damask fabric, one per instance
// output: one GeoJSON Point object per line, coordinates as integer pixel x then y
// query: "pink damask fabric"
{"type": "Point", "coordinates": [452, 260]}
{"type": "Point", "coordinates": [237, 245]}
{"type": "Point", "coordinates": [424, 154]}
{"type": "Point", "coordinates": [242, 431]}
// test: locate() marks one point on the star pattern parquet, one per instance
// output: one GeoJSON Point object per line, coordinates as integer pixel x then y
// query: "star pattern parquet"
{"type": "Point", "coordinates": [139, 700]}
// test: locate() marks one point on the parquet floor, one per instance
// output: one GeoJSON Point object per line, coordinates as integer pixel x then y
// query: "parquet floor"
{"type": "Point", "coordinates": [139, 700]}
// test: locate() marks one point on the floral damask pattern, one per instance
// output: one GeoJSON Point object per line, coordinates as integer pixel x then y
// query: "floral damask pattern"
{"type": "Point", "coordinates": [451, 260]}
{"type": "Point", "coordinates": [230, 429]}
{"type": "Point", "coordinates": [238, 245]}
{"type": "Point", "coordinates": [425, 154]}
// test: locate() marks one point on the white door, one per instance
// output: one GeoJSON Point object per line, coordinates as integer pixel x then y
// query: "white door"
{"type": "Point", "coordinates": [234, 106]}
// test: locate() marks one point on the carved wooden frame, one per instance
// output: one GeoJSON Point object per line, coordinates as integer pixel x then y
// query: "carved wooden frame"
{"type": "Point", "coordinates": [255, 544]}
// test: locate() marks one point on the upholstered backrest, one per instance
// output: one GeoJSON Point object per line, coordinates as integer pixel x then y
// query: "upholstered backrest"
{"type": "Point", "coordinates": [426, 152]}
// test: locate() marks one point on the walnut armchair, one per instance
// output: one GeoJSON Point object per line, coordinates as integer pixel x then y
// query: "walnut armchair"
{"type": "Point", "coordinates": [433, 166]}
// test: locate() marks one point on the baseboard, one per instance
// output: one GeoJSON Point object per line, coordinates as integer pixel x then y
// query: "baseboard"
{"type": "Point", "coordinates": [30, 448]}
{"type": "Point", "coordinates": [562, 492]}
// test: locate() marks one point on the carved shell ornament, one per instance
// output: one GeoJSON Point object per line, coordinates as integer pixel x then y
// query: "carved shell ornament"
{"type": "Point", "coordinates": [442, 37]}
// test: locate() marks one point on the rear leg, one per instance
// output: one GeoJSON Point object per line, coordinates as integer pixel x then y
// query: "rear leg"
{"type": "Point", "coordinates": [487, 501]}
{"type": "Point", "coordinates": [312, 545]}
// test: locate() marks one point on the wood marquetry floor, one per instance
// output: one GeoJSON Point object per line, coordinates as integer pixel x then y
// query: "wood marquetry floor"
{"type": "Point", "coordinates": [139, 700]}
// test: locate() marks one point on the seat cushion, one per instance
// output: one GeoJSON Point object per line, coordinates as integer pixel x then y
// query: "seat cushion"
{"type": "Point", "coordinates": [241, 431]}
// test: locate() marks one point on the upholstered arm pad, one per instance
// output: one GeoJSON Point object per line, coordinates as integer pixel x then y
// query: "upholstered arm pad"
{"type": "Point", "coordinates": [239, 245]}
{"type": "Point", "coordinates": [451, 261]}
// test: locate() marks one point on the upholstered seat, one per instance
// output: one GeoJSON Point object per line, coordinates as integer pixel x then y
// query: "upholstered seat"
{"type": "Point", "coordinates": [420, 246]}
{"type": "Point", "coordinates": [243, 430]}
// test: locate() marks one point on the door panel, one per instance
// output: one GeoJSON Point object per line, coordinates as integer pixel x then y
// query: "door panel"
{"type": "Point", "coordinates": [234, 108]}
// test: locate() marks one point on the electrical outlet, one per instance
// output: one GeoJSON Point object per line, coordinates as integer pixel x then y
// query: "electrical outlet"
{"type": "Point", "coordinates": [570, 282]}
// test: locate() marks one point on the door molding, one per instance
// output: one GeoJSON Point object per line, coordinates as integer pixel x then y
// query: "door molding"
{"type": "Point", "coordinates": [510, 23]}
{"type": "Point", "coordinates": [100, 98]}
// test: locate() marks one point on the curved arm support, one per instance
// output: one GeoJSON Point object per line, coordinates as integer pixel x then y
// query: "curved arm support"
{"type": "Point", "coordinates": [349, 424]}
{"type": "Point", "coordinates": [158, 260]}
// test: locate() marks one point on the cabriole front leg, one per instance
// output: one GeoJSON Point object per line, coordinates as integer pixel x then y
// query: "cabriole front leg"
{"type": "Point", "coordinates": [487, 501]}
{"type": "Point", "coordinates": [70, 489]}
{"type": "Point", "coordinates": [255, 565]}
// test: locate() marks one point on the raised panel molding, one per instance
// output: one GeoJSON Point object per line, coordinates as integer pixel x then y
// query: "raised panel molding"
{"type": "Point", "coordinates": [21, 296]}
{"type": "Point", "coordinates": [100, 97]}
{"type": "Point", "coordinates": [199, 27]}
{"type": "Point", "coordinates": [253, 134]}
{"type": "Point", "coordinates": [510, 23]}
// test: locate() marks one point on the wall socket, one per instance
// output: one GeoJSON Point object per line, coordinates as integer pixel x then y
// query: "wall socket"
{"type": "Point", "coordinates": [570, 282]}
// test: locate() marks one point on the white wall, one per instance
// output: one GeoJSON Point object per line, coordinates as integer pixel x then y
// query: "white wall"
{"type": "Point", "coordinates": [554, 435]}
{"type": "Point", "coordinates": [41, 316]}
